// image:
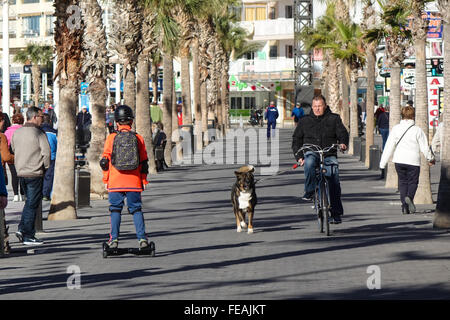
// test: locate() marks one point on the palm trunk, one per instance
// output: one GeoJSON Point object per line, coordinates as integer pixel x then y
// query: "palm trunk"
{"type": "Point", "coordinates": [186, 87]}
{"type": "Point", "coordinates": [154, 75]}
{"type": "Point", "coordinates": [370, 101]}
{"type": "Point", "coordinates": [36, 74]}
{"type": "Point", "coordinates": [196, 95]}
{"type": "Point", "coordinates": [129, 90]}
{"type": "Point", "coordinates": [345, 114]}
{"type": "Point", "coordinates": [353, 109]}
{"type": "Point", "coordinates": [204, 109]}
{"type": "Point", "coordinates": [442, 215]}
{"type": "Point", "coordinates": [423, 195]}
{"type": "Point", "coordinates": [69, 55]}
{"type": "Point", "coordinates": [143, 126]}
{"type": "Point", "coordinates": [394, 118]}
{"type": "Point", "coordinates": [333, 86]}
{"type": "Point", "coordinates": [62, 205]}
{"type": "Point", "coordinates": [167, 105]}
{"type": "Point", "coordinates": [224, 91]}
{"type": "Point", "coordinates": [98, 93]}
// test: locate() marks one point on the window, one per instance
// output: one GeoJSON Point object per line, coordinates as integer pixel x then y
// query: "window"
{"type": "Point", "coordinates": [249, 102]}
{"type": "Point", "coordinates": [250, 55]}
{"type": "Point", "coordinates": [272, 13]}
{"type": "Point", "coordinates": [288, 12]}
{"type": "Point", "coordinates": [255, 12]}
{"type": "Point", "coordinates": [236, 103]}
{"type": "Point", "coordinates": [50, 25]}
{"type": "Point", "coordinates": [31, 26]}
{"type": "Point", "coordinates": [289, 51]}
{"type": "Point", "coordinates": [30, 1]}
{"type": "Point", "coordinates": [273, 53]}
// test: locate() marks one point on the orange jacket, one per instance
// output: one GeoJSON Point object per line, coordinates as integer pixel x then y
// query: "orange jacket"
{"type": "Point", "coordinates": [121, 181]}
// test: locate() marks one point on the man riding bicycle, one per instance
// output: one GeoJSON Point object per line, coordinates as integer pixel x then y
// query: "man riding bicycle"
{"type": "Point", "coordinates": [322, 128]}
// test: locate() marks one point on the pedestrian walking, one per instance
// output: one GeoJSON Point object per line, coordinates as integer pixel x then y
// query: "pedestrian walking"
{"type": "Point", "coordinates": [51, 133]}
{"type": "Point", "coordinates": [3, 204]}
{"type": "Point", "coordinates": [17, 120]}
{"type": "Point", "coordinates": [297, 113]}
{"type": "Point", "coordinates": [32, 157]}
{"type": "Point", "coordinates": [125, 167]}
{"type": "Point", "coordinates": [406, 142]}
{"type": "Point", "coordinates": [271, 115]}
{"type": "Point", "coordinates": [7, 157]}
{"type": "Point", "coordinates": [383, 124]}
{"type": "Point", "coordinates": [48, 109]}
{"type": "Point", "coordinates": [7, 122]}
{"type": "Point", "coordinates": [110, 118]}
{"type": "Point", "coordinates": [84, 120]}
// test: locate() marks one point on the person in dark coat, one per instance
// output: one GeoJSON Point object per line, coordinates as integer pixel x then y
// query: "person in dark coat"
{"type": "Point", "coordinates": [84, 120]}
{"type": "Point", "coordinates": [271, 115]}
{"type": "Point", "coordinates": [323, 128]}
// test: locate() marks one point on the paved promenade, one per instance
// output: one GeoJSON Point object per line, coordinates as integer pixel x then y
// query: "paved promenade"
{"type": "Point", "coordinates": [199, 254]}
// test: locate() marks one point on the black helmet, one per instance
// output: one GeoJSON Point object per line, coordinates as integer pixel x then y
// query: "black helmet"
{"type": "Point", "coordinates": [123, 113]}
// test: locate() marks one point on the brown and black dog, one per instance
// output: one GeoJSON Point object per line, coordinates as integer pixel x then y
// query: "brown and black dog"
{"type": "Point", "coordinates": [243, 197]}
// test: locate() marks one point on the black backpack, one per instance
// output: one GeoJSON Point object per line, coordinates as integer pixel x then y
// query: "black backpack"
{"type": "Point", "coordinates": [125, 152]}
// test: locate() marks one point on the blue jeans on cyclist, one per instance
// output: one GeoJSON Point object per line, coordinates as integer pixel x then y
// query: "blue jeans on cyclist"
{"type": "Point", "coordinates": [331, 164]}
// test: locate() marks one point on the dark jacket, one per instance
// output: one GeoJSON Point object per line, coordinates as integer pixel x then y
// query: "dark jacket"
{"type": "Point", "coordinates": [271, 114]}
{"type": "Point", "coordinates": [322, 131]}
{"type": "Point", "coordinates": [383, 120]}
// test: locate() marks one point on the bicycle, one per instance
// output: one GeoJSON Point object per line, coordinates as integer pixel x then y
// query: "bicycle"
{"type": "Point", "coordinates": [322, 189]}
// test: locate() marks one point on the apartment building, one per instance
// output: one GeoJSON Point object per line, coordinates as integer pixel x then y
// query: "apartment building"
{"type": "Point", "coordinates": [29, 21]}
{"type": "Point", "coordinates": [267, 74]}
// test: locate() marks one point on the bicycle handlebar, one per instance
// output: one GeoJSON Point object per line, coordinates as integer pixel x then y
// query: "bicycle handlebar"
{"type": "Point", "coordinates": [318, 149]}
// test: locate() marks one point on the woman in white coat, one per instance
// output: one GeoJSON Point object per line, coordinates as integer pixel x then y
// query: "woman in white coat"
{"type": "Point", "coordinates": [406, 141]}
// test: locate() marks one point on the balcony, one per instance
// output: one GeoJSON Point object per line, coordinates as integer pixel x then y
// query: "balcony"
{"type": "Point", "coordinates": [280, 68]}
{"type": "Point", "coordinates": [278, 29]}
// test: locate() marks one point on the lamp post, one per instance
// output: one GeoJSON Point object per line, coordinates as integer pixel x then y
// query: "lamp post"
{"type": "Point", "coordinates": [6, 86]}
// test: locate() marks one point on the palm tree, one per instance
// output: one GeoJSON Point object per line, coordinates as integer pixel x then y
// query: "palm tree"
{"type": "Point", "coordinates": [369, 19]}
{"type": "Point", "coordinates": [69, 50]}
{"type": "Point", "coordinates": [348, 49]}
{"type": "Point", "coordinates": [323, 36]}
{"type": "Point", "coordinates": [95, 67]}
{"type": "Point", "coordinates": [419, 34]}
{"type": "Point", "coordinates": [125, 41]}
{"type": "Point", "coordinates": [442, 215]}
{"type": "Point", "coordinates": [397, 38]}
{"type": "Point", "coordinates": [37, 55]}
{"type": "Point", "coordinates": [148, 45]}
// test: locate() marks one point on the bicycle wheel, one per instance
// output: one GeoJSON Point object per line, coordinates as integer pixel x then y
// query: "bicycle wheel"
{"type": "Point", "coordinates": [325, 207]}
{"type": "Point", "coordinates": [318, 210]}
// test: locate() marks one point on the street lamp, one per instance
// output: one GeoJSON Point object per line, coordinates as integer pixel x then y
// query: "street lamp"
{"type": "Point", "coordinates": [5, 62]}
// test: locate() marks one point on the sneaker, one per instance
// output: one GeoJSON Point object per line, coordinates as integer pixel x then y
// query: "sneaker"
{"type": "Point", "coordinates": [335, 220]}
{"type": "Point", "coordinates": [32, 241]}
{"type": "Point", "coordinates": [21, 197]}
{"type": "Point", "coordinates": [46, 198]}
{"type": "Point", "coordinates": [308, 196]}
{"type": "Point", "coordinates": [16, 198]}
{"type": "Point", "coordinates": [143, 243]}
{"type": "Point", "coordinates": [410, 203]}
{"type": "Point", "coordinates": [113, 244]}
{"type": "Point", "coordinates": [405, 209]}
{"type": "Point", "coordinates": [19, 236]}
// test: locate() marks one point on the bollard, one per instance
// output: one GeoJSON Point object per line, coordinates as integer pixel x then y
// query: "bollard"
{"type": "Point", "coordinates": [82, 188]}
{"type": "Point", "coordinates": [356, 146]}
{"type": "Point", "coordinates": [375, 157]}
{"type": "Point", "coordinates": [362, 155]}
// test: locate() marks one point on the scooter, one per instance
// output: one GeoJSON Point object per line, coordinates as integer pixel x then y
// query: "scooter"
{"type": "Point", "coordinates": [256, 118]}
{"type": "Point", "coordinates": [147, 251]}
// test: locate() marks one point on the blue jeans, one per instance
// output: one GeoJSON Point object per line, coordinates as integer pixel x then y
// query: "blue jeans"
{"type": "Point", "coordinates": [271, 125]}
{"type": "Point", "coordinates": [48, 179]}
{"type": "Point", "coordinates": [331, 165]}
{"type": "Point", "coordinates": [134, 203]}
{"type": "Point", "coordinates": [384, 136]}
{"type": "Point", "coordinates": [33, 193]}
